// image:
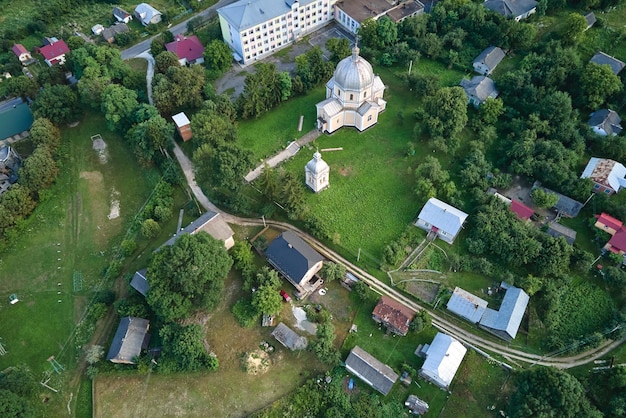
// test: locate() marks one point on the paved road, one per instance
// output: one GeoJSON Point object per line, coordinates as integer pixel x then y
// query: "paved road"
{"type": "Point", "coordinates": [144, 45]}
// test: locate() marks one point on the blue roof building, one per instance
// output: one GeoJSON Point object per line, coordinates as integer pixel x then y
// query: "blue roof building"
{"type": "Point", "coordinates": [505, 322]}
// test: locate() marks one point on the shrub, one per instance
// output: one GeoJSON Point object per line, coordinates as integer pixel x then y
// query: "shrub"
{"type": "Point", "coordinates": [128, 247]}
{"type": "Point", "coordinates": [245, 313]}
{"type": "Point", "coordinates": [150, 228]}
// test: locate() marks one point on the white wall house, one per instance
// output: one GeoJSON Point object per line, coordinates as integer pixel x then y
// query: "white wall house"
{"type": "Point", "coordinates": [442, 219]}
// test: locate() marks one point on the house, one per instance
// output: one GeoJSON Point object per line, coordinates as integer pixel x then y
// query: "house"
{"type": "Point", "coordinates": [557, 230]}
{"type": "Point", "coordinates": [443, 358]}
{"type": "Point", "coordinates": [416, 405]}
{"type": "Point", "coordinates": [289, 338]}
{"type": "Point", "coordinates": [97, 29]}
{"type": "Point", "coordinates": [565, 206]}
{"type": "Point", "coordinates": [441, 219]}
{"type": "Point", "coordinates": [488, 60]}
{"type": "Point", "coordinates": [10, 163]}
{"type": "Point", "coordinates": [255, 29]}
{"type": "Point", "coordinates": [213, 224]}
{"type": "Point", "coordinates": [140, 283]}
{"type": "Point", "coordinates": [466, 305]}
{"type": "Point", "coordinates": [512, 9]}
{"type": "Point", "coordinates": [351, 13]}
{"type": "Point", "coordinates": [607, 223]}
{"type": "Point", "coordinates": [183, 126]}
{"type": "Point", "coordinates": [188, 49]}
{"type": "Point", "coordinates": [130, 338]}
{"type": "Point", "coordinates": [22, 54]}
{"type": "Point", "coordinates": [607, 175]}
{"type": "Point", "coordinates": [614, 227]}
{"type": "Point", "coordinates": [316, 173]}
{"type": "Point", "coordinates": [296, 260]}
{"type": "Point", "coordinates": [354, 96]}
{"type": "Point", "coordinates": [601, 58]}
{"type": "Point", "coordinates": [371, 370]}
{"type": "Point", "coordinates": [54, 53]}
{"type": "Point", "coordinates": [393, 315]}
{"type": "Point", "coordinates": [15, 118]}
{"type": "Point", "coordinates": [505, 322]}
{"type": "Point", "coordinates": [605, 122]}
{"type": "Point", "coordinates": [147, 14]}
{"type": "Point", "coordinates": [590, 18]}
{"type": "Point", "coordinates": [479, 89]}
{"type": "Point", "coordinates": [521, 210]}
{"type": "Point", "coordinates": [109, 34]}
{"type": "Point", "coordinates": [122, 15]}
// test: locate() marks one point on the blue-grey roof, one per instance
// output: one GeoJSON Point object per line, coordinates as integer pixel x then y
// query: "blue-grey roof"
{"type": "Point", "coordinates": [511, 8]}
{"type": "Point", "coordinates": [140, 282]}
{"type": "Point", "coordinates": [479, 86]}
{"type": "Point", "coordinates": [245, 14]}
{"type": "Point", "coordinates": [289, 338]}
{"type": "Point", "coordinates": [466, 305]}
{"type": "Point", "coordinates": [443, 216]}
{"type": "Point", "coordinates": [601, 58]}
{"type": "Point", "coordinates": [209, 222]}
{"type": "Point", "coordinates": [509, 317]}
{"type": "Point", "coordinates": [606, 119]}
{"type": "Point", "coordinates": [371, 370]}
{"type": "Point", "coordinates": [566, 205]}
{"type": "Point", "coordinates": [292, 256]}
{"type": "Point", "coordinates": [491, 57]}
{"type": "Point", "coordinates": [129, 340]}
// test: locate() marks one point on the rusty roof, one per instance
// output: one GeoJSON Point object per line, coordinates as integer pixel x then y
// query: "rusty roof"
{"type": "Point", "coordinates": [393, 313]}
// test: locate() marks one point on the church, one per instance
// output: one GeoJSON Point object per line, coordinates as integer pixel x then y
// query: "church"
{"type": "Point", "coordinates": [354, 96]}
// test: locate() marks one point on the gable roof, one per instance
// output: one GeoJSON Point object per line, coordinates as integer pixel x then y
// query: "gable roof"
{"type": "Point", "coordinates": [245, 14]}
{"type": "Point", "coordinates": [466, 305]}
{"type": "Point", "coordinates": [606, 172]}
{"type": "Point", "coordinates": [590, 18]}
{"type": "Point", "coordinates": [209, 222]}
{"type": "Point", "coordinates": [292, 256]}
{"type": "Point", "coordinates": [371, 370]}
{"type": "Point", "coordinates": [479, 86]}
{"type": "Point", "coordinates": [129, 339]}
{"type": "Point", "coordinates": [490, 57]}
{"type": "Point", "coordinates": [443, 358]}
{"type": "Point", "coordinates": [19, 49]}
{"type": "Point", "coordinates": [509, 317]}
{"type": "Point", "coordinates": [443, 216]}
{"type": "Point", "coordinates": [54, 50]}
{"type": "Point", "coordinates": [140, 282]}
{"type": "Point", "coordinates": [189, 48]}
{"type": "Point", "coordinates": [601, 58]}
{"type": "Point", "coordinates": [606, 119]}
{"type": "Point", "coordinates": [609, 221]}
{"type": "Point", "coordinates": [145, 12]}
{"type": "Point", "coordinates": [511, 8]}
{"type": "Point", "coordinates": [393, 313]}
{"type": "Point", "coordinates": [288, 337]}
{"type": "Point", "coordinates": [557, 230]}
{"type": "Point", "coordinates": [120, 14]}
{"type": "Point", "coordinates": [618, 241]}
{"type": "Point", "coordinates": [112, 31]}
{"type": "Point", "coordinates": [521, 210]}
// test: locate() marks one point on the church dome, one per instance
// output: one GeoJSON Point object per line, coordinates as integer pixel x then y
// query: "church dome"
{"type": "Point", "coordinates": [316, 165]}
{"type": "Point", "coordinates": [354, 72]}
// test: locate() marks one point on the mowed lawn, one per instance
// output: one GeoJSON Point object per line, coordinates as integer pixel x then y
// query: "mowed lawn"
{"type": "Point", "coordinates": [69, 232]}
{"type": "Point", "coordinates": [228, 392]}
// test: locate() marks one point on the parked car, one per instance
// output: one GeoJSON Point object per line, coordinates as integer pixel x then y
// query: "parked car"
{"type": "Point", "coordinates": [285, 296]}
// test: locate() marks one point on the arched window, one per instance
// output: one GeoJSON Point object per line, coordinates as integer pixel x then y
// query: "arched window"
{"type": "Point", "coordinates": [351, 96]}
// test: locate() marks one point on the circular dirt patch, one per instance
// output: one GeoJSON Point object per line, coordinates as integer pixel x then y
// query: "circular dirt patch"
{"type": "Point", "coordinates": [257, 362]}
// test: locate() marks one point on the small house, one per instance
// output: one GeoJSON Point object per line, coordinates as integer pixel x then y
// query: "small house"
{"type": "Point", "coordinates": [393, 315]}
{"type": "Point", "coordinates": [130, 338]}
{"type": "Point", "coordinates": [605, 122]}
{"type": "Point", "coordinates": [590, 19]}
{"type": "Point", "coordinates": [140, 283]}
{"type": "Point", "coordinates": [488, 60]}
{"type": "Point", "coordinates": [22, 54]}
{"type": "Point", "coordinates": [147, 14]}
{"type": "Point", "coordinates": [371, 370]}
{"type": "Point", "coordinates": [607, 175]}
{"type": "Point", "coordinates": [122, 15]}
{"type": "Point", "coordinates": [109, 34]}
{"type": "Point", "coordinates": [289, 338]}
{"type": "Point", "coordinates": [443, 358]}
{"type": "Point", "coordinates": [416, 405]}
{"type": "Point", "coordinates": [183, 126]}
{"type": "Point", "coordinates": [466, 305]}
{"type": "Point", "coordinates": [512, 9]}
{"type": "Point", "coordinates": [601, 58]}
{"type": "Point", "coordinates": [296, 260]}
{"type": "Point", "coordinates": [97, 29]}
{"type": "Point", "coordinates": [479, 89]}
{"type": "Point", "coordinates": [54, 52]}
{"type": "Point", "coordinates": [614, 227]}
{"type": "Point", "coordinates": [213, 224]}
{"type": "Point", "coordinates": [505, 322]}
{"type": "Point", "coordinates": [188, 49]}
{"type": "Point", "coordinates": [441, 219]}
{"type": "Point", "coordinates": [565, 206]}
{"type": "Point", "coordinates": [521, 210]}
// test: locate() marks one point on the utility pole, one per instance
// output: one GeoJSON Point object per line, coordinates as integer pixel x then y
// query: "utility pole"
{"type": "Point", "coordinates": [358, 256]}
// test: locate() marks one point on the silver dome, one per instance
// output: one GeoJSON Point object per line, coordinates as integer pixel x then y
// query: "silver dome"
{"type": "Point", "coordinates": [354, 72]}
{"type": "Point", "coordinates": [316, 165]}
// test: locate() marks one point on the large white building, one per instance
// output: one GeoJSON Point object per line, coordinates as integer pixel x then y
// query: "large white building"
{"type": "Point", "coordinates": [254, 29]}
{"type": "Point", "coordinates": [352, 13]}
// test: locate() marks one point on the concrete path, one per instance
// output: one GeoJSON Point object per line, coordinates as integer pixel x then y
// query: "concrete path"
{"type": "Point", "coordinates": [149, 74]}
{"type": "Point", "coordinates": [291, 150]}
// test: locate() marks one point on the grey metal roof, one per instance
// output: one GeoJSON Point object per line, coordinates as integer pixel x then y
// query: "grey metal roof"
{"type": "Point", "coordinates": [371, 370]}
{"type": "Point", "coordinates": [292, 256]}
{"type": "Point", "coordinates": [288, 337]}
{"type": "Point", "coordinates": [601, 58]}
{"type": "Point", "coordinates": [443, 216]}
{"type": "Point", "coordinates": [209, 222]}
{"type": "Point", "coordinates": [566, 205]}
{"type": "Point", "coordinates": [509, 317]}
{"type": "Point", "coordinates": [120, 13]}
{"type": "Point", "coordinates": [466, 305]}
{"type": "Point", "coordinates": [354, 72]}
{"type": "Point", "coordinates": [129, 340]}
{"type": "Point", "coordinates": [590, 18]}
{"type": "Point", "coordinates": [511, 8]}
{"type": "Point", "coordinates": [490, 57]}
{"type": "Point", "coordinates": [317, 164]}
{"type": "Point", "coordinates": [479, 86]}
{"type": "Point", "coordinates": [145, 12]}
{"type": "Point", "coordinates": [443, 358]}
{"type": "Point", "coordinates": [606, 119]}
{"type": "Point", "coordinates": [140, 282]}
{"type": "Point", "coordinates": [245, 14]}
{"type": "Point", "coordinates": [557, 230]}
{"type": "Point", "coordinates": [112, 31]}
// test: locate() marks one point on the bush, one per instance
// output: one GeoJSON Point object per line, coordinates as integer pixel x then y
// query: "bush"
{"type": "Point", "coordinates": [128, 247]}
{"type": "Point", "coordinates": [150, 228]}
{"type": "Point", "coordinates": [245, 314]}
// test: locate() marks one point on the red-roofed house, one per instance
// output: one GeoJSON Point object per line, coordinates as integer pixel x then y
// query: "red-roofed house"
{"type": "Point", "coordinates": [607, 223]}
{"type": "Point", "coordinates": [617, 243]}
{"type": "Point", "coordinates": [521, 210]}
{"type": "Point", "coordinates": [393, 315]}
{"type": "Point", "coordinates": [54, 53]}
{"type": "Point", "coordinates": [615, 227]}
{"type": "Point", "coordinates": [189, 50]}
{"type": "Point", "coordinates": [22, 53]}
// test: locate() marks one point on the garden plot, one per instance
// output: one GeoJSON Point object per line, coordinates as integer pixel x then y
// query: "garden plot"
{"type": "Point", "coordinates": [98, 144]}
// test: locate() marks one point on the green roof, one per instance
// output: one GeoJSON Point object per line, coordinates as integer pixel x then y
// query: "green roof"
{"type": "Point", "coordinates": [14, 119]}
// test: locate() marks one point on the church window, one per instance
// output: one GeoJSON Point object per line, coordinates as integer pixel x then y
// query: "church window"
{"type": "Point", "coordinates": [351, 96]}
{"type": "Point", "coordinates": [364, 94]}
{"type": "Point", "coordinates": [369, 118]}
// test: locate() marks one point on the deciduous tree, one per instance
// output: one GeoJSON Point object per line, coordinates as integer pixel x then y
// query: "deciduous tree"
{"type": "Point", "coordinates": [598, 83]}
{"type": "Point", "coordinates": [119, 105]}
{"type": "Point", "coordinates": [218, 57]}
{"type": "Point", "coordinates": [184, 346]}
{"type": "Point", "coordinates": [58, 103]}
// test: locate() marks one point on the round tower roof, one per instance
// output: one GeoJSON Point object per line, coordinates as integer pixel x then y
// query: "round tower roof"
{"type": "Point", "coordinates": [316, 165]}
{"type": "Point", "coordinates": [354, 72]}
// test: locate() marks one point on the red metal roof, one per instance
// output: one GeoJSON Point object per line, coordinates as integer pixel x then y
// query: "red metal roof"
{"type": "Point", "coordinates": [54, 50]}
{"type": "Point", "coordinates": [521, 210]}
{"type": "Point", "coordinates": [19, 49]}
{"type": "Point", "coordinates": [609, 221]}
{"type": "Point", "coordinates": [394, 313]}
{"type": "Point", "coordinates": [618, 241]}
{"type": "Point", "coordinates": [189, 48]}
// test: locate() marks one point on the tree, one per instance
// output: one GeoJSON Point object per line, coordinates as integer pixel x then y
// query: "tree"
{"type": "Point", "coordinates": [574, 28]}
{"type": "Point", "coordinates": [339, 48]}
{"type": "Point", "coordinates": [209, 126]}
{"type": "Point", "coordinates": [90, 89]}
{"type": "Point", "coordinates": [549, 392]}
{"type": "Point", "coordinates": [150, 228]}
{"type": "Point", "coordinates": [598, 83]}
{"type": "Point", "coordinates": [218, 57]}
{"type": "Point", "coordinates": [14, 406]}
{"type": "Point", "coordinates": [178, 88]}
{"type": "Point", "coordinates": [225, 166]}
{"type": "Point", "coordinates": [184, 346]}
{"type": "Point", "coordinates": [446, 113]}
{"type": "Point", "coordinates": [490, 111]}
{"type": "Point", "coordinates": [44, 134]}
{"type": "Point", "coordinates": [187, 276]}
{"type": "Point", "coordinates": [39, 170]}
{"type": "Point", "coordinates": [544, 199]}
{"type": "Point", "coordinates": [94, 353]}
{"type": "Point", "coordinates": [323, 347]}
{"type": "Point", "coordinates": [164, 61]}
{"type": "Point", "coordinates": [267, 300]}
{"type": "Point", "coordinates": [148, 137]}
{"type": "Point", "coordinates": [333, 271]}
{"type": "Point", "coordinates": [19, 380]}
{"type": "Point", "coordinates": [15, 204]}
{"type": "Point", "coordinates": [58, 103]}
{"type": "Point", "coordinates": [119, 105]}
{"type": "Point", "coordinates": [21, 86]}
